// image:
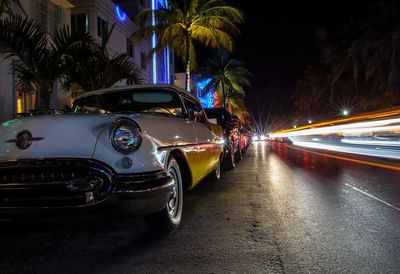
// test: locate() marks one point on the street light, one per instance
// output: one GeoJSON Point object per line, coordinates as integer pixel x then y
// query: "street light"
{"type": "Point", "coordinates": [345, 112]}
{"type": "Point", "coordinates": [310, 121]}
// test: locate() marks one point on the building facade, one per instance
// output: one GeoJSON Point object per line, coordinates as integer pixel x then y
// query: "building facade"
{"type": "Point", "coordinates": [198, 82]}
{"type": "Point", "coordinates": [50, 15]}
{"type": "Point", "coordinates": [94, 17]}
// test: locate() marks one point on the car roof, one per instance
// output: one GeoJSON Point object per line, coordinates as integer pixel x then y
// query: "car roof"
{"type": "Point", "coordinates": [138, 87]}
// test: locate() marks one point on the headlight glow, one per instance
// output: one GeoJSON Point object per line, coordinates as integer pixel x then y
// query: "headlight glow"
{"type": "Point", "coordinates": [262, 138]}
{"type": "Point", "coordinates": [255, 138]}
{"type": "Point", "coordinates": [125, 136]}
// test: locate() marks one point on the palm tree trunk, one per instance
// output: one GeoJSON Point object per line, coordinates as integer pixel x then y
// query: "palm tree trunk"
{"type": "Point", "coordinates": [42, 101]}
{"type": "Point", "coordinates": [187, 62]}
{"type": "Point", "coordinates": [223, 95]}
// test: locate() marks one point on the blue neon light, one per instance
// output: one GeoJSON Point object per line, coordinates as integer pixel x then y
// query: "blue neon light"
{"type": "Point", "coordinates": [207, 101]}
{"type": "Point", "coordinates": [153, 42]}
{"type": "Point", "coordinates": [121, 15]}
{"type": "Point", "coordinates": [162, 3]}
{"type": "Point", "coordinates": [160, 62]}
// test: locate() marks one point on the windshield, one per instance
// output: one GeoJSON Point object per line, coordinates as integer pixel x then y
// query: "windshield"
{"type": "Point", "coordinates": [154, 101]}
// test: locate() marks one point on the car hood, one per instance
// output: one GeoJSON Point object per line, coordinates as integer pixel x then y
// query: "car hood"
{"type": "Point", "coordinates": [77, 135]}
{"type": "Point", "coordinates": [64, 136]}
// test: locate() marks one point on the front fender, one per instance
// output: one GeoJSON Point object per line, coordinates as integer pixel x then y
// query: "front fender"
{"type": "Point", "coordinates": [146, 159]}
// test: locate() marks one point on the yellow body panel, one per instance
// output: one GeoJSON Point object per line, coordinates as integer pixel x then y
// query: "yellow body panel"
{"type": "Point", "coordinates": [207, 156]}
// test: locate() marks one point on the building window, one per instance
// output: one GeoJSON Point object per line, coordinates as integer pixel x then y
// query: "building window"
{"type": "Point", "coordinates": [102, 27]}
{"type": "Point", "coordinates": [129, 49]}
{"type": "Point", "coordinates": [80, 22]}
{"type": "Point", "coordinates": [54, 14]}
{"type": "Point", "coordinates": [48, 15]}
{"type": "Point", "coordinates": [41, 14]}
{"type": "Point", "coordinates": [143, 60]}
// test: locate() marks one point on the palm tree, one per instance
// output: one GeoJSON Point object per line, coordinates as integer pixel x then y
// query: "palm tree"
{"type": "Point", "coordinates": [37, 57]}
{"type": "Point", "coordinates": [346, 57]}
{"type": "Point", "coordinates": [236, 105]}
{"type": "Point", "coordinates": [211, 23]}
{"type": "Point", "coordinates": [6, 7]}
{"type": "Point", "coordinates": [228, 76]}
{"type": "Point", "coordinates": [308, 96]}
{"type": "Point", "coordinates": [39, 60]}
{"type": "Point", "coordinates": [383, 40]}
{"type": "Point", "coordinates": [90, 66]}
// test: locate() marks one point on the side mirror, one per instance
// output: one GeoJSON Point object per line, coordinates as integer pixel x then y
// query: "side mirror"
{"type": "Point", "coordinates": [195, 115]}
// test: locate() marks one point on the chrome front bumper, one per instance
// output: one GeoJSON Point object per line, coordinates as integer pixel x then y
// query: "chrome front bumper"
{"type": "Point", "coordinates": [79, 183]}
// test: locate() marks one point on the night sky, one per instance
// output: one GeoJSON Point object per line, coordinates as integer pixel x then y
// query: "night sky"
{"type": "Point", "coordinates": [278, 41]}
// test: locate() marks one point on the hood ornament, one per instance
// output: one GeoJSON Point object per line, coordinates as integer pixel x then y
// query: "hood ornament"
{"type": "Point", "coordinates": [24, 139]}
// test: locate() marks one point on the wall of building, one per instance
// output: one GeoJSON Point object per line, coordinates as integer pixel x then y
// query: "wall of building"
{"type": "Point", "coordinates": [7, 96]}
{"type": "Point", "coordinates": [106, 9]}
{"type": "Point", "coordinates": [123, 29]}
{"type": "Point", "coordinates": [9, 103]}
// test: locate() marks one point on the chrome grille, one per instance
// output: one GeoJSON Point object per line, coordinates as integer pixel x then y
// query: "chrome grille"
{"type": "Point", "coordinates": [53, 182]}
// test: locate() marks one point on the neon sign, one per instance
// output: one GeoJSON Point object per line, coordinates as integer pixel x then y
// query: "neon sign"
{"type": "Point", "coordinates": [207, 100]}
{"type": "Point", "coordinates": [121, 15]}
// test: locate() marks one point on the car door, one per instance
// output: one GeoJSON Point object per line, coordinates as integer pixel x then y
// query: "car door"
{"type": "Point", "coordinates": [208, 150]}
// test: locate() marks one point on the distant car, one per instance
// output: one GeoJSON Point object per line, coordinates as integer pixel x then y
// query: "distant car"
{"type": "Point", "coordinates": [259, 137]}
{"type": "Point", "coordinates": [142, 144]}
{"type": "Point", "coordinates": [230, 125]}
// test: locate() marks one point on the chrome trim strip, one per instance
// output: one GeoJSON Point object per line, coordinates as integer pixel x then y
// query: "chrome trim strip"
{"type": "Point", "coordinates": [30, 139]}
{"type": "Point", "coordinates": [186, 145]}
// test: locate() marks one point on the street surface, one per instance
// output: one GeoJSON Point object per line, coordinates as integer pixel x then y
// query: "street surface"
{"type": "Point", "coordinates": [281, 211]}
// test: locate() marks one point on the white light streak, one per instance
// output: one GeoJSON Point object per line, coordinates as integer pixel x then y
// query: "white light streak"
{"type": "Point", "coordinates": [365, 151]}
{"type": "Point", "coordinates": [362, 127]}
{"type": "Point", "coordinates": [371, 142]}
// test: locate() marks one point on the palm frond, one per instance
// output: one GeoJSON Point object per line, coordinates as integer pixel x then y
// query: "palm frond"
{"type": "Point", "coordinates": [213, 38]}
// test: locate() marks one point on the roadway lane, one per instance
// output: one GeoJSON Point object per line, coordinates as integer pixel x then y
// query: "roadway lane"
{"type": "Point", "coordinates": [281, 211]}
{"type": "Point", "coordinates": [337, 216]}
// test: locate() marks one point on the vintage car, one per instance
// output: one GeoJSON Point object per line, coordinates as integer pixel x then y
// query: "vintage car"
{"type": "Point", "coordinates": [139, 144]}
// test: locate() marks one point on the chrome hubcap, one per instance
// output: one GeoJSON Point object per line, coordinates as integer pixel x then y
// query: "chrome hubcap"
{"type": "Point", "coordinates": [218, 171]}
{"type": "Point", "coordinates": [173, 203]}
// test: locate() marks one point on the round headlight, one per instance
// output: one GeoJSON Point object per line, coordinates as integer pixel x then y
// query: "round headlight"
{"type": "Point", "coordinates": [255, 138]}
{"type": "Point", "coordinates": [125, 136]}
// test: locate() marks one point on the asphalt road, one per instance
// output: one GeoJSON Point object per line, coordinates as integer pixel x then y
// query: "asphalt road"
{"type": "Point", "coordinates": [281, 211]}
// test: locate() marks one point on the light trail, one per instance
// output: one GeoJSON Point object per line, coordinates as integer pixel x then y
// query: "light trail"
{"type": "Point", "coordinates": [375, 135]}
{"type": "Point", "coordinates": [358, 161]}
{"type": "Point", "coordinates": [362, 127]}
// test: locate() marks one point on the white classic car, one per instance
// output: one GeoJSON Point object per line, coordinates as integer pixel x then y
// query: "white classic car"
{"type": "Point", "coordinates": [140, 144]}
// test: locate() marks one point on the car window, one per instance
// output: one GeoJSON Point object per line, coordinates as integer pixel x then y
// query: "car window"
{"type": "Point", "coordinates": [193, 108]}
{"type": "Point", "coordinates": [146, 100]}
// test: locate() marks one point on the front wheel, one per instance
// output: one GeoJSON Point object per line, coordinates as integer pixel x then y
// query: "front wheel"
{"type": "Point", "coordinates": [169, 218]}
{"type": "Point", "coordinates": [216, 174]}
{"type": "Point", "coordinates": [229, 160]}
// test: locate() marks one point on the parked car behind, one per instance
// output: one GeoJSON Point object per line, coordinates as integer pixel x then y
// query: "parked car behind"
{"type": "Point", "coordinates": [142, 146]}
{"type": "Point", "coordinates": [231, 127]}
